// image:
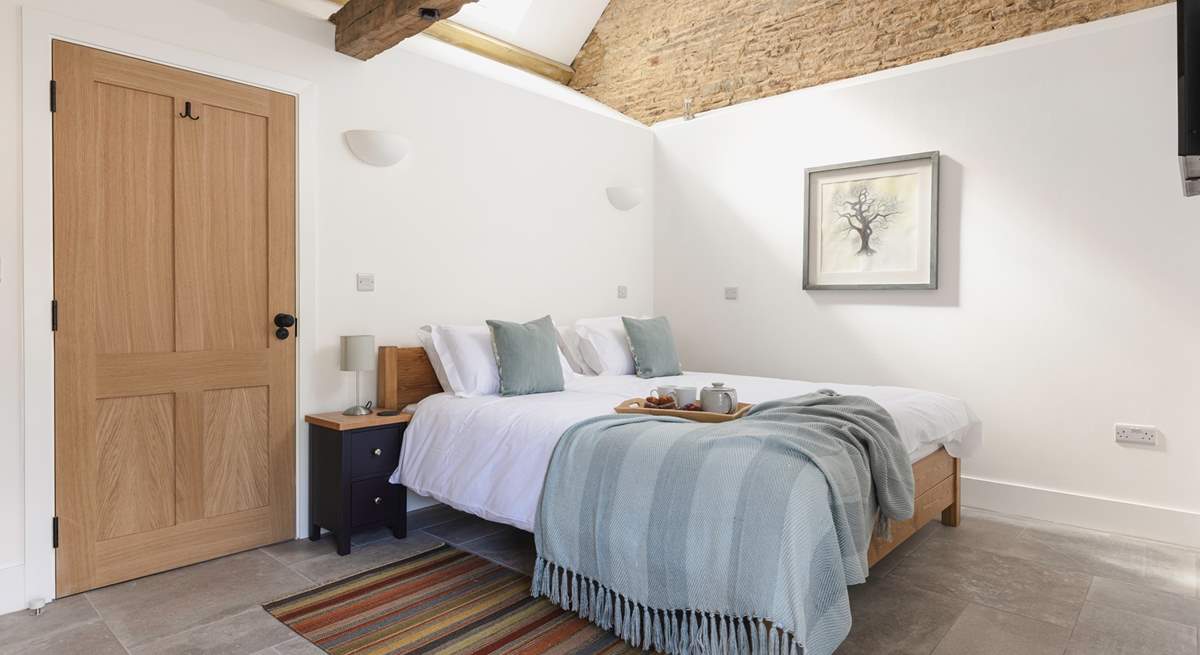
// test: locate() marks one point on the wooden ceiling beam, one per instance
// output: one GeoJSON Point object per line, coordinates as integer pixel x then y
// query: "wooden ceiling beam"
{"type": "Point", "coordinates": [366, 28]}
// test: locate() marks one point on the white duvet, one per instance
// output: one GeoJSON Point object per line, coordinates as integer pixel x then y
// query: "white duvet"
{"type": "Point", "coordinates": [488, 455]}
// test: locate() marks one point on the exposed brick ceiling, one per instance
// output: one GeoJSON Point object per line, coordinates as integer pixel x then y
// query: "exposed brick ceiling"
{"type": "Point", "coordinates": [645, 57]}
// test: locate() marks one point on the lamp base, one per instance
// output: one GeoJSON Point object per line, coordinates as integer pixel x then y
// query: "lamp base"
{"type": "Point", "coordinates": [357, 410]}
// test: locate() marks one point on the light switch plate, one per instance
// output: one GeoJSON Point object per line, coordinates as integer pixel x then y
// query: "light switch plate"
{"type": "Point", "coordinates": [1145, 435]}
{"type": "Point", "coordinates": [622, 292]}
{"type": "Point", "coordinates": [731, 293]}
{"type": "Point", "coordinates": [365, 281]}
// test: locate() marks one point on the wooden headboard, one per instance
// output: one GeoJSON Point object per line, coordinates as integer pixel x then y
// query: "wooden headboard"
{"type": "Point", "coordinates": [405, 377]}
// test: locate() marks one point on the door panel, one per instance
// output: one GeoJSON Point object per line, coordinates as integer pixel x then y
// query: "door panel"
{"type": "Point", "coordinates": [135, 259]}
{"type": "Point", "coordinates": [236, 450]}
{"type": "Point", "coordinates": [174, 249]}
{"type": "Point", "coordinates": [135, 444]}
{"type": "Point", "coordinates": [223, 224]}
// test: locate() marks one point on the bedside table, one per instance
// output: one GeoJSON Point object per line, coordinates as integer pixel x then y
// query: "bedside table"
{"type": "Point", "coordinates": [349, 461]}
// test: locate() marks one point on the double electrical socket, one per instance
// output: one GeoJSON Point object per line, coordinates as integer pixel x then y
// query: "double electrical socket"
{"type": "Point", "coordinates": [1145, 435]}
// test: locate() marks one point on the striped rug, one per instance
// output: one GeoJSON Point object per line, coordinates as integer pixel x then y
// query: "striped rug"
{"type": "Point", "coordinates": [441, 601]}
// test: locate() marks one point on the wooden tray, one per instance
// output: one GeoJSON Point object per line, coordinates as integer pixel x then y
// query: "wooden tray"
{"type": "Point", "coordinates": [638, 406]}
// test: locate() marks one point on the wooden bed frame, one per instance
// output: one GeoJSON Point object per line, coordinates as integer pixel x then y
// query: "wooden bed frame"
{"type": "Point", "coordinates": [406, 377]}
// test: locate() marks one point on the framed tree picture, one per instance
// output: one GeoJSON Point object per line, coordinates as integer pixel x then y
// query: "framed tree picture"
{"type": "Point", "coordinates": [872, 224]}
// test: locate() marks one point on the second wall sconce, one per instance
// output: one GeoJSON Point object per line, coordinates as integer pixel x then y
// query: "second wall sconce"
{"type": "Point", "coordinates": [624, 198]}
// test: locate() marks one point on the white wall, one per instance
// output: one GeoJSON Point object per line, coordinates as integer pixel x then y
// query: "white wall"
{"type": "Point", "coordinates": [1070, 289]}
{"type": "Point", "coordinates": [12, 496]}
{"type": "Point", "coordinates": [498, 212]}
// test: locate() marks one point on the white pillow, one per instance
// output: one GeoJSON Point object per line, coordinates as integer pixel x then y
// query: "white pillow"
{"type": "Point", "coordinates": [568, 343]}
{"type": "Point", "coordinates": [425, 338]}
{"type": "Point", "coordinates": [469, 361]}
{"type": "Point", "coordinates": [604, 346]}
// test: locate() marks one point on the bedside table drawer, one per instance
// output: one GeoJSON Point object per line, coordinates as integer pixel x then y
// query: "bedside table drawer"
{"type": "Point", "coordinates": [374, 452]}
{"type": "Point", "coordinates": [372, 501]}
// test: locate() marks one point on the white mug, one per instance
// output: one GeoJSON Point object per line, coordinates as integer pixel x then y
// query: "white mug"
{"type": "Point", "coordinates": [684, 396]}
{"type": "Point", "coordinates": [665, 391]}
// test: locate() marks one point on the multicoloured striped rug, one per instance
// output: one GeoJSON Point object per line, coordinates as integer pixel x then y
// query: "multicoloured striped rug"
{"type": "Point", "coordinates": [441, 601]}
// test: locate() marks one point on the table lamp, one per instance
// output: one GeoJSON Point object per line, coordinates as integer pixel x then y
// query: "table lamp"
{"type": "Point", "coordinates": [358, 354]}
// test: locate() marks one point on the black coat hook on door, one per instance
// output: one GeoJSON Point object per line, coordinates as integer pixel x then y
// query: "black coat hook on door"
{"type": "Point", "coordinates": [187, 112]}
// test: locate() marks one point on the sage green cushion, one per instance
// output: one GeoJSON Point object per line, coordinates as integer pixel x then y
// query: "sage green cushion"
{"type": "Point", "coordinates": [527, 356]}
{"type": "Point", "coordinates": [653, 347]}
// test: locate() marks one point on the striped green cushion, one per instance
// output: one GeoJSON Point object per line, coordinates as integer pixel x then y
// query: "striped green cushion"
{"type": "Point", "coordinates": [527, 356]}
{"type": "Point", "coordinates": [653, 347]}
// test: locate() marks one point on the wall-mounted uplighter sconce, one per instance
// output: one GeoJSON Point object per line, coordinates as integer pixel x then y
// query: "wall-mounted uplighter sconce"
{"type": "Point", "coordinates": [624, 198]}
{"type": "Point", "coordinates": [376, 147]}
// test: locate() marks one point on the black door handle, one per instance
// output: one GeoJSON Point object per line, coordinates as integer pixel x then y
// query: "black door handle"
{"type": "Point", "coordinates": [282, 323]}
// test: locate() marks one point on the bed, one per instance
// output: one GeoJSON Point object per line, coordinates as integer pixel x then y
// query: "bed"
{"type": "Point", "coordinates": [488, 455]}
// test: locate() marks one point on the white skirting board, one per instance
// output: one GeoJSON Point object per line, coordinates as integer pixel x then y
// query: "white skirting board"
{"type": "Point", "coordinates": [1173, 526]}
{"type": "Point", "coordinates": [12, 588]}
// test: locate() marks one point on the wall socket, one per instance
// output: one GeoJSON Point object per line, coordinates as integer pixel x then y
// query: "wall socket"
{"type": "Point", "coordinates": [365, 281]}
{"type": "Point", "coordinates": [731, 293]}
{"type": "Point", "coordinates": [622, 292]}
{"type": "Point", "coordinates": [1144, 435]}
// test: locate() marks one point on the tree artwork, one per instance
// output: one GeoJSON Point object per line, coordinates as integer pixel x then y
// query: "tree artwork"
{"type": "Point", "coordinates": [864, 213]}
{"type": "Point", "coordinates": [872, 225]}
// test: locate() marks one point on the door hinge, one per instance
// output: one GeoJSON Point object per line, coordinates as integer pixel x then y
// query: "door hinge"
{"type": "Point", "coordinates": [54, 532]}
{"type": "Point", "coordinates": [53, 95]}
{"type": "Point", "coordinates": [54, 316]}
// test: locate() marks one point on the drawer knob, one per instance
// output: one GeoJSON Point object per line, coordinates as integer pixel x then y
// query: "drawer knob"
{"type": "Point", "coordinates": [377, 452]}
{"type": "Point", "coordinates": [378, 500]}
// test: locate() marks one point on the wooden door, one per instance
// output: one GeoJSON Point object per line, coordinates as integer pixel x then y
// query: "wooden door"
{"type": "Point", "coordinates": [174, 250]}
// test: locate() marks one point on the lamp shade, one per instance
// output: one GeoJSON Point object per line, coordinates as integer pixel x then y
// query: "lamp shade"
{"type": "Point", "coordinates": [376, 147]}
{"type": "Point", "coordinates": [358, 352]}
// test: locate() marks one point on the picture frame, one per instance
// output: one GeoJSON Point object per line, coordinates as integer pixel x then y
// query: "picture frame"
{"type": "Point", "coordinates": [872, 224]}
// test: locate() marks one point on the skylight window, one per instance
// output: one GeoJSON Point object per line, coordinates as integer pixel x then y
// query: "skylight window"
{"type": "Point", "coordinates": [495, 16]}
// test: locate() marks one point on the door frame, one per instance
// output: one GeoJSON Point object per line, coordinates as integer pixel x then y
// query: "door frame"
{"type": "Point", "coordinates": [38, 30]}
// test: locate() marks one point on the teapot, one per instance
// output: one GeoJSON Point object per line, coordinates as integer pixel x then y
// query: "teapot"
{"type": "Point", "coordinates": [719, 399]}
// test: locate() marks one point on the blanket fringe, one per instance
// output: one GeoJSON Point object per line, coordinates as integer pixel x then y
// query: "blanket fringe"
{"type": "Point", "coordinates": [883, 526]}
{"type": "Point", "coordinates": [675, 632]}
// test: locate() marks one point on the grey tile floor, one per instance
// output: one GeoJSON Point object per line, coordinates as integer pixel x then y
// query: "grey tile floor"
{"type": "Point", "coordinates": [994, 585]}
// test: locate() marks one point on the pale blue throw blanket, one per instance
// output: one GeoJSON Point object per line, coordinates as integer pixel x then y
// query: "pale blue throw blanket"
{"type": "Point", "coordinates": [736, 537]}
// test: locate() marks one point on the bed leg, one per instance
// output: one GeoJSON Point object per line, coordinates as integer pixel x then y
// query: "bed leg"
{"type": "Point", "coordinates": [953, 514]}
